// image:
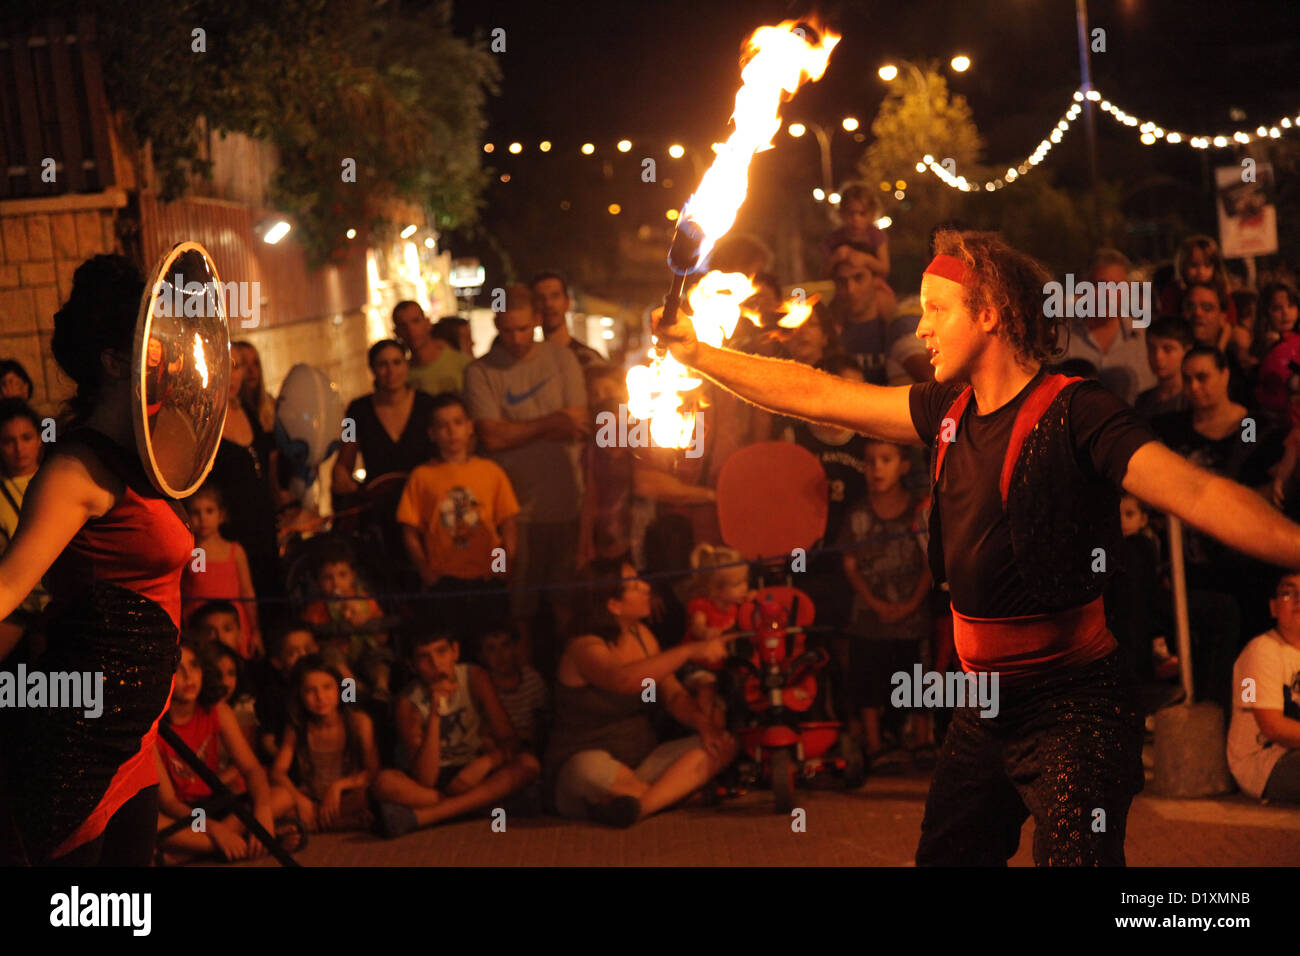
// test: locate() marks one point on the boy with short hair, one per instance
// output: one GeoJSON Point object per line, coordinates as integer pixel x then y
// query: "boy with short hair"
{"type": "Point", "coordinates": [1264, 736]}
{"type": "Point", "coordinates": [1168, 340]}
{"type": "Point", "coordinates": [456, 747]}
{"type": "Point", "coordinates": [521, 689]}
{"type": "Point", "coordinates": [455, 512]}
{"type": "Point", "coordinates": [218, 622]}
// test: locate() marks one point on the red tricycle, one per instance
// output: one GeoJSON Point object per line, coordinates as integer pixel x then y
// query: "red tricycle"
{"type": "Point", "coordinates": [778, 683]}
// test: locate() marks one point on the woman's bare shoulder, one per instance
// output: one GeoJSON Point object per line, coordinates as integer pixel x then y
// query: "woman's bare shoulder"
{"type": "Point", "coordinates": [76, 468]}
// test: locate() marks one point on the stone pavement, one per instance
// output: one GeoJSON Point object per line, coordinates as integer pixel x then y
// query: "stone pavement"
{"type": "Point", "coordinates": [876, 826]}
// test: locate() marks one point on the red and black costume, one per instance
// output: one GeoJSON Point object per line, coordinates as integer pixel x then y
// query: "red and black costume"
{"type": "Point", "coordinates": [116, 610]}
{"type": "Point", "coordinates": [1023, 498]}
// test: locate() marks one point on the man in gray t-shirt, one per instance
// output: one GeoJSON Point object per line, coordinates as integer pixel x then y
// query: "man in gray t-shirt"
{"type": "Point", "coordinates": [529, 406]}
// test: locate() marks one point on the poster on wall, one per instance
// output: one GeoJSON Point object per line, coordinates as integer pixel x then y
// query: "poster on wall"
{"type": "Point", "coordinates": [1247, 216]}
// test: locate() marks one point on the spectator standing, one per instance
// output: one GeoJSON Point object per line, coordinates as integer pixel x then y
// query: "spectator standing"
{"type": "Point", "coordinates": [436, 366]}
{"type": "Point", "coordinates": [1110, 342]}
{"type": "Point", "coordinates": [1168, 340]}
{"type": "Point", "coordinates": [551, 303]}
{"type": "Point", "coordinates": [529, 406]}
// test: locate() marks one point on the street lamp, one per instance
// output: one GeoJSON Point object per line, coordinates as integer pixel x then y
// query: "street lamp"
{"type": "Point", "coordinates": [797, 130]}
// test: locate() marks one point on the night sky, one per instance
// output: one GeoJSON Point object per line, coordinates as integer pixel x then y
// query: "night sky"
{"type": "Point", "coordinates": [659, 72]}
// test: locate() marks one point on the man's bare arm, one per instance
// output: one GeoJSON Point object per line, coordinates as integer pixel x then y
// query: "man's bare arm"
{"type": "Point", "coordinates": [1234, 514]}
{"type": "Point", "coordinates": [792, 388]}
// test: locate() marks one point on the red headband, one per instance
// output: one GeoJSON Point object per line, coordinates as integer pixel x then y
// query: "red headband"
{"type": "Point", "coordinates": [948, 267]}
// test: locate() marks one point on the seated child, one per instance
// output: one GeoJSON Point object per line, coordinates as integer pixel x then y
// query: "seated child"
{"type": "Point", "coordinates": [456, 748]}
{"type": "Point", "coordinates": [521, 689]}
{"type": "Point", "coordinates": [348, 623]}
{"type": "Point", "coordinates": [205, 723]}
{"type": "Point", "coordinates": [224, 571]}
{"type": "Point", "coordinates": [327, 757]}
{"type": "Point", "coordinates": [218, 622]}
{"type": "Point", "coordinates": [274, 694]}
{"type": "Point", "coordinates": [1264, 736]}
{"type": "Point", "coordinates": [241, 703]}
{"type": "Point", "coordinates": [719, 587]}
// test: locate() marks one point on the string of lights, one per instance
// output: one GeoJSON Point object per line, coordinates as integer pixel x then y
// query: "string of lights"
{"type": "Point", "coordinates": [1149, 134]}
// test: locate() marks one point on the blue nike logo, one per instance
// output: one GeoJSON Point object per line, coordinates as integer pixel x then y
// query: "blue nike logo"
{"type": "Point", "coordinates": [516, 399]}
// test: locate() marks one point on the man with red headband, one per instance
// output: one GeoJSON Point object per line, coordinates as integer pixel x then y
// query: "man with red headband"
{"type": "Point", "coordinates": [1027, 469]}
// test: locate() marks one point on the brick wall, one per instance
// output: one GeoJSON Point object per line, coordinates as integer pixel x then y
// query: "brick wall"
{"type": "Point", "coordinates": [42, 241]}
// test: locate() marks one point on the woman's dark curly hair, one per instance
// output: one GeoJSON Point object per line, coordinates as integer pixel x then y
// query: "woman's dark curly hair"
{"type": "Point", "coordinates": [99, 315]}
{"type": "Point", "coordinates": [1010, 283]}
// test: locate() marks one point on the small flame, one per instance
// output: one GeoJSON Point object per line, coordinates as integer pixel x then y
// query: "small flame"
{"type": "Point", "coordinates": [199, 363]}
{"type": "Point", "coordinates": [776, 61]}
{"type": "Point", "coordinates": [796, 313]}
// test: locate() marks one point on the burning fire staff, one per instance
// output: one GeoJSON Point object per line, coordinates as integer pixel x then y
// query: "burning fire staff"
{"type": "Point", "coordinates": [100, 518]}
{"type": "Point", "coordinates": [1027, 468]}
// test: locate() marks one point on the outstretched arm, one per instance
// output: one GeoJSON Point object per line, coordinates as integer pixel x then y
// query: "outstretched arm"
{"type": "Point", "coordinates": [1234, 514]}
{"type": "Point", "coordinates": [794, 389]}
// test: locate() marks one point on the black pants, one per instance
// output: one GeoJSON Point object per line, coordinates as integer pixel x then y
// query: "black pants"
{"type": "Point", "coordinates": [128, 840]}
{"type": "Point", "coordinates": [1065, 747]}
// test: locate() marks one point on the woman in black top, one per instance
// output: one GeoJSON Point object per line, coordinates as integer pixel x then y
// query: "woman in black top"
{"type": "Point", "coordinates": [242, 471]}
{"type": "Point", "coordinates": [391, 433]}
{"type": "Point", "coordinates": [1238, 443]}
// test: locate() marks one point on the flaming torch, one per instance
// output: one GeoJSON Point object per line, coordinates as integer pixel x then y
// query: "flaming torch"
{"type": "Point", "coordinates": [777, 60]}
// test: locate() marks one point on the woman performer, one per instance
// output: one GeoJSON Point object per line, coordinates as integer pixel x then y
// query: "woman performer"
{"type": "Point", "coordinates": [85, 789]}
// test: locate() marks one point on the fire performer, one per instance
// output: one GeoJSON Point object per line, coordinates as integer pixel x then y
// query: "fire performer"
{"type": "Point", "coordinates": [85, 788]}
{"type": "Point", "coordinates": [1026, 471]}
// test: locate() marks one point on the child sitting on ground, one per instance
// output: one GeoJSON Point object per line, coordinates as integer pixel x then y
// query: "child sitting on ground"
{"type": "Point", "coordinates": [327, 757]}
{"type": "Point", "coordinates": [521, 689]}
{"type": "Point", "coordinates": [218, 622]}
{"type": "Point", "coordinates": [349, 624]}
{"type": "Point", "coordinates": [719, 587]}
{"type": "Point", "coordinates": [456, 747]}
{"type": "Point", "coordinates": [239, 699]}
{"type": "Point", "coordinates": [274, 693]}
{"type": "Point", "coordinates": [205, 723]}
{"type": "Point", "coordinates": [223, 572]}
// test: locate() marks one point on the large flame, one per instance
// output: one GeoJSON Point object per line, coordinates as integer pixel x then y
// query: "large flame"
{"type": "Point", "coordinates": [777, 60]}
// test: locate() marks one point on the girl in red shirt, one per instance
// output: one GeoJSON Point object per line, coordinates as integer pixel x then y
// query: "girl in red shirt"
{"type": "Point", "coordinates": [206, 723]}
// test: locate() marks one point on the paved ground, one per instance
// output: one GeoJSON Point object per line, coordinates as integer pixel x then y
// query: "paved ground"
{"type": "Point", "coordinates": [876, 826]}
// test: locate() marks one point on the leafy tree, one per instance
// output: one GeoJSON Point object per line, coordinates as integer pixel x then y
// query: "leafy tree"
{"type": "Point", "coordinates": [918, 119]}
{"type": "Point", "coordinates": [386, 85]}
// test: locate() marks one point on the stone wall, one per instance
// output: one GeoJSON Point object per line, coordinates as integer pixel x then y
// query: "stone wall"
{"type": "Point", "coordinates": [42, 241]}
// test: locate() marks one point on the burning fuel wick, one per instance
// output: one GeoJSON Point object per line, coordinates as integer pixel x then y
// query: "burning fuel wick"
{"type": "Point", "coordinates": [683, 257]}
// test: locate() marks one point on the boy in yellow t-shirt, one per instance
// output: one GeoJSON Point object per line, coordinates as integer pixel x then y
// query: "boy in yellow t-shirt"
{"type": "Point", "coordinates": [456, 511]}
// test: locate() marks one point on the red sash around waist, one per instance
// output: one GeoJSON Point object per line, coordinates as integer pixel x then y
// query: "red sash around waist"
{"type": "Point", "coordinates": [1019, 647]}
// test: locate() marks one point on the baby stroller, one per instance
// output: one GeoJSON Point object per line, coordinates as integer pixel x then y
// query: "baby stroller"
{"type": "Point", "coordinates": [778, 695]}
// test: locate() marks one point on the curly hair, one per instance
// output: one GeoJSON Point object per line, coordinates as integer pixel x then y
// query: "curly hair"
{"type": "Point", "coordinates": [1010, 283]}
{"type": "Point", "coordinates": [100, 315]}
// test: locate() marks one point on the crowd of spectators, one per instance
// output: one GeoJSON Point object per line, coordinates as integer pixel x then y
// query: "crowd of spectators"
{"type": "Point", "coordinates": [474, 630]}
